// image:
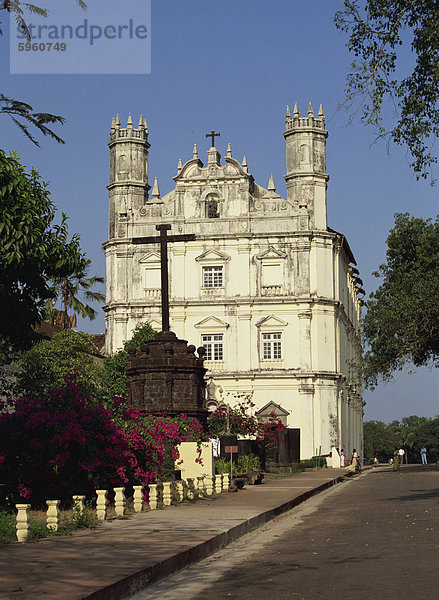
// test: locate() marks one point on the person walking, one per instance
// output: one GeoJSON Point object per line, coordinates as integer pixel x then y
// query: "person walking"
{"type": "Point", "coordinates": [342, 458]}
{"type": "Point", "coordinates": [395, 463]}
{"type": "Point", "coordinates": [424, 455]}
{"type": "Point", "coordinates": [401, 456]}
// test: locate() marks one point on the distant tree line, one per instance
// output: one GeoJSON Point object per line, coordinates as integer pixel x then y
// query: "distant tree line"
{"type": "Point", "coordinates": [381, 439]}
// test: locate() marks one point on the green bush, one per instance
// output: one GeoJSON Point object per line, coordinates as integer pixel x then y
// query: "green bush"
{"type": "Point", "coordinates": [319, 461]}
{"type": "Point", "coordinates": [222, 465]}
{"type": "Point", "coordinates": [7, 528]}
{"type": "Point", "coordinates": [248, 462]}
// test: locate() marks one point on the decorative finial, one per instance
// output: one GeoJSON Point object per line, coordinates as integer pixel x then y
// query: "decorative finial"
{"type": "Point", "coordinates": [113, 124]}
{"type": "Point", "coordinates": [117, 120]}
{"type": "Point", "coordinates": [229, 150]}
{"type": "Point", "coordinates": [288, 115]}
{"type": "Point", "coordinates": [271, 187]}
{"type": "Point", "coordinates": [296, 110]}
{"type": "Point", "coordinates": [321, 113]}
{"type": "Point", "coordinates": [179, 166]}
{"type": "Point", "coordinates": [141, 122]}
{"type": "Point", "coordinates": [155, 189]}
{"type": "Point", "coordinates": [145, 125]}
{"type": "Point", "coordinates": [130, 121]}
{"type": "Point", "coordinates": [195, 154]}
{"type": "Point", "coordinates": [244, 164]}
{"type": "Point", "coordinates": [310, 110]}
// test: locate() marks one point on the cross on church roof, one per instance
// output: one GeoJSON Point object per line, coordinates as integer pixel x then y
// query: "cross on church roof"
{"type": "Point", "coordinates": [213, 135]}
{"type": "Point", "coordinates": [164, 239]}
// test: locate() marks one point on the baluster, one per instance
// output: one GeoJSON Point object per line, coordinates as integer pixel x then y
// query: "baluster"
{"type": "Point", "coordinates": [22, 521]}
{"type": "Point", "coordinates": [138, 498]}
{"type": "Point", "coordinates": [101, 504]}
{"type": "Point", "coordinates": [52, 514]}
{"type": "Point", "coordinates": [119, 501]}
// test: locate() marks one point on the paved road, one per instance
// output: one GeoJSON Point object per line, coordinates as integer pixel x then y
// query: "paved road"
{"type": "Point", "coordinates": [375, 537]}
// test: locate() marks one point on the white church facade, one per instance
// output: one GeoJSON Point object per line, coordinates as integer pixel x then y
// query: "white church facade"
{"type": "Point", "coordinates": [267, 287]}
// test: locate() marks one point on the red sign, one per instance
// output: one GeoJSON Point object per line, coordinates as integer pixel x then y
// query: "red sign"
{"type": "Point", "coordinates": [231, 449]}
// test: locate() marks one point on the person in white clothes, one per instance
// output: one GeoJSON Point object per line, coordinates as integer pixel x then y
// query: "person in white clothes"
{"type": "Point", "coordinates": [401, 453]}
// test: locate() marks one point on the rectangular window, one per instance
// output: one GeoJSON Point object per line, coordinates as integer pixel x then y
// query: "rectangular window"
{"type": "Point", "coordinates": [272, 346]}
{"type": "Point", "coordinates": [214, 346]}
{"type": "Point", "coordinates": [212, 277]}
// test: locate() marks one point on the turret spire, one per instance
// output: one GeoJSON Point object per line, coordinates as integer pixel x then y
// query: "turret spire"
{"type": "Point", "coordinates": [296, 111]}
{"type": "Point", "coordinates": [310, 110]}
{"type": "Point", "coordinates": [117, 120]}
{"type": "Point", "coordinates": [155, 189]}
{"type": "Point", "coordinates": [271, 187]}
{"type": "Point", "coordinates": [130, 121]}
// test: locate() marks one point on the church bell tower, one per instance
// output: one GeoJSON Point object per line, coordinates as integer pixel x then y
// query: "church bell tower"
{"type": "Point", "coordinates": [128, 188]}
{"type": "Point", "coordinates": [306, 177]}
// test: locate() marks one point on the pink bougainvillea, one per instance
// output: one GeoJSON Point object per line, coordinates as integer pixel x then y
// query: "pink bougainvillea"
{"type": "Point", "coordinates": [239, 422]}
{"type": "Point", "coordinates": [61, 444]}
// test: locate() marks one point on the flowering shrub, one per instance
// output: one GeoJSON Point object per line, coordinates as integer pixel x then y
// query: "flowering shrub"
{"type": "Point", "coordinates": [243, 424]}
{"type": "Point", "coordinates": [57, 445]}
{"type": "Point", "coordinates": [60, 444]}
{"type": "Point", "coordinates": [152, 441]}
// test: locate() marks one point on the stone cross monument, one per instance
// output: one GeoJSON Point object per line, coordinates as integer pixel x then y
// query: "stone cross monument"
{"type": "Point", "coordinates": [166, 377]}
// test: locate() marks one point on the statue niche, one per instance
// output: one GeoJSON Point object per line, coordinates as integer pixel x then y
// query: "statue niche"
{"type": "Point", "coordinates": [212, 209]}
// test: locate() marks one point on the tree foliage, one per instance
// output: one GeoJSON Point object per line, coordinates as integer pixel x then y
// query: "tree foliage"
{"type": "Point", "coordinates": [47, 364]}
{"type": "Point", "coordinates": [75, 291]}
{"type": "Point", "coordinates": [379, 31]}
{"type": "Point", "coordinates": [381, 439]}
{"type": "Point", "coordinates": [401, 325]}
{"type": "Point", "coordinates": [33, 250]}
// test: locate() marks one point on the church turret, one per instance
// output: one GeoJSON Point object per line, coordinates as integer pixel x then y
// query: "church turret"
{"type": "Point", "coordinates": [128, 187]}
{"type": "Point", "coordinates": [306, 177]}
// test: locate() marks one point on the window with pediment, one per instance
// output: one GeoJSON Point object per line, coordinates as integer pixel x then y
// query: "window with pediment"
{"type": "Point", "coordinates": [271, 272]}
{"type": "Point", "coordinates": [271, 342]}
{"type": "Point", "coordinates": [213, 273]}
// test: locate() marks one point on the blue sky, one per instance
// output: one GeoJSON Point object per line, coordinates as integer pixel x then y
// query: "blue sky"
{"type": "Point", "coordinates": [230, 66]}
